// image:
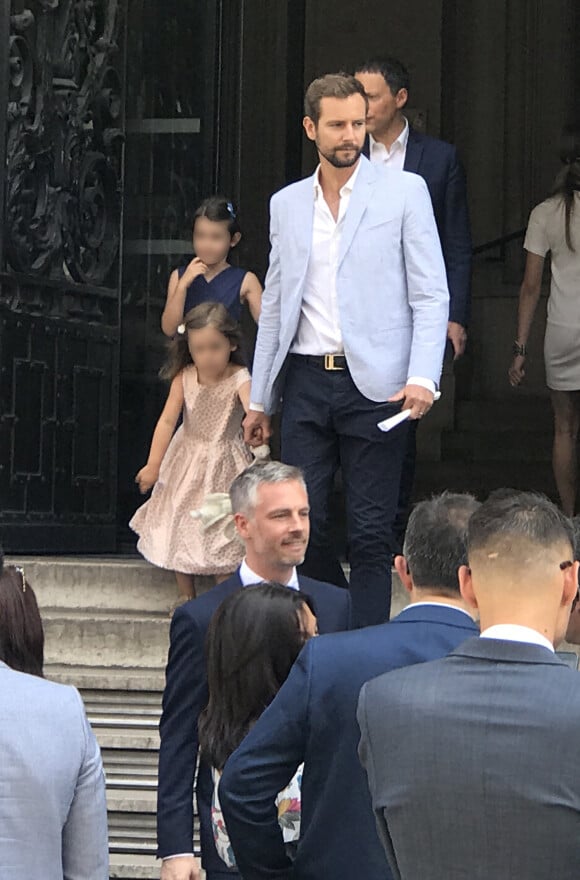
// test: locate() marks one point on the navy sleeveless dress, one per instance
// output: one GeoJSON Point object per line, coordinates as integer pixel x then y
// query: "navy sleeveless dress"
{"type": "Point", "coordinates": [224, 288]}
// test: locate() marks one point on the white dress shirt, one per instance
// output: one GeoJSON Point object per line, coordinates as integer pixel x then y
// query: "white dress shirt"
{"type": "Point", "coordinates": [513, 632]}
{"type": "Point", "coordinates": [319, 326]}
{"type": "Point", "coordinates": [249, 577]}
{"type": "Point", "coordinates": [395, 157]}
{"type": "Point", "coordinates": [440, 605]}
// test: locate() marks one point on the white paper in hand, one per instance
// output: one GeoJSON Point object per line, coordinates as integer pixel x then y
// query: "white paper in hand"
{"type": "Point", "coordinates": [393, 421]}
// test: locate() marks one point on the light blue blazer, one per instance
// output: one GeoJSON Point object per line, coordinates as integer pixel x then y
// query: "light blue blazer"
{"type": "Point", "coordinates": [53, 812]}
{"type": "Point", "coordinates": [391, 284]}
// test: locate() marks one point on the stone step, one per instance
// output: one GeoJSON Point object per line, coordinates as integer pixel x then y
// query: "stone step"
{"type": "Point", "coordinates": [119, 583]}
{"type": "Point", "coordinates": [501, 446]}
{"type": "Point", "coordinates": [521, 414]}
{"type": "Point", "coordinates": [126, 740]}
{"type": "Point", "coordinates": [105, 678]}
{"type": "Point", "coordinates": [121, 763]}
{"type": "Point", "coordinates": [132, 799]}
{"type": "Point", "coordinates": [115, 637]}
{"type": "Point", "coordinates": [141, 867]}
{"type": "Point", "coordinates": [482, 477]}
{"type": "Point", "coordinates": [119, 702]}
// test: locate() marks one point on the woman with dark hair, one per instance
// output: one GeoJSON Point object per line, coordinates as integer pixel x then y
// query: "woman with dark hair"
{"type": "Point", "coordinates": [209, 275]}
{"type": "Point", "coordinates": [554, 226]}
{"type": "Point", "coordinates": [21, 632]}
{"type": "Point", "coordinates": [252, 642]}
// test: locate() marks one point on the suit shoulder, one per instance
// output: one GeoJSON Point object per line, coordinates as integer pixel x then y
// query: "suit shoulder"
{"type": "Point", "coordinates": [434, 144]}
{"type": "Point", "coordinates": [202, 608]}
{"type": "Point", "coordinates": [42, 692]}
{"type": "Point", "coordinates": [291, 191]}
{"type": "Point", "coordinates": [322, 588]}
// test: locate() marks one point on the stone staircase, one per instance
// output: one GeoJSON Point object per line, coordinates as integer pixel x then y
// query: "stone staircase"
{"type": "Point", "coordinates": [106, 623]}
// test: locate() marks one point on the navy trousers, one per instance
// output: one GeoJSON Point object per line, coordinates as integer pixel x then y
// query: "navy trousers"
{"type": "Point", "coordinates": [327, 423]}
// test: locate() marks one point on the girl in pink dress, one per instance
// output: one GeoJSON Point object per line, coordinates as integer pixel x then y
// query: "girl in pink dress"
{"type": "Point", "coordinates": [202, 457]}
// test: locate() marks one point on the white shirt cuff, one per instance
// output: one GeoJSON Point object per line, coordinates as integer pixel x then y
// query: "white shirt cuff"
{"type": "Point", "coordinates": [257, 407]}
{"type": "Point", "coordinates": [178, 856]}
{"type": "Point", "coordinates": [424, 383]}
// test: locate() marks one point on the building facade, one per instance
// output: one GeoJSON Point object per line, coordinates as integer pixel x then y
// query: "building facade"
{"type": "Point", "coordinates": [118, 116]}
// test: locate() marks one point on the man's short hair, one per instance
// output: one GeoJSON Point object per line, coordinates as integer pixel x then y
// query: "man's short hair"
{"type": "Point", "coordinates": [393, 71]}
{"type": "Point", "coordinates": [503, 521]}
{"type": "Point", "coordinates": [244, 489]}
{"type": "Point", "coordinates": [436, 540]}
{"type": "Point", "coordinates": [332, 85]}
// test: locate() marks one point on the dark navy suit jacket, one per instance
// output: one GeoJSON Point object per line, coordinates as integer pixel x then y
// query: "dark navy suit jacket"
{"type": "Point", "coordinates": [437, 163]}
{"type": "Point", "coordinates": [184, 699]}
{"type": "Point", "coordinates": [313, 720]}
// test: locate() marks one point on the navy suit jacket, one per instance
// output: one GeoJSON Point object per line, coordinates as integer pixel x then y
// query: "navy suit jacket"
{"type": "Point", "coordinates": [437, 163]}
{"type": "Point", "coordinates": [313, 720]}
{"type": "Point", "coordinates": [185, 697]}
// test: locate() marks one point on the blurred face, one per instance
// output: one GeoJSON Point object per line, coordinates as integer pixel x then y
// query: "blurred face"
{"type": "Point", "coordinates": [308, 624]}
{"type": "Point", "coordinates": [384, 107]}
{"type": "Point", "coordinates": [276, 532]}
{"type": "Point", "coordinates": [339, 134]}
{"type": "Point", "coordinates": [212, 240]}
{"type": "Point", "coordinates": [210, 350]}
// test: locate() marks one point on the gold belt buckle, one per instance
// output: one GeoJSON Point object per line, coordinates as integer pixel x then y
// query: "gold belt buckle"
{"type": "Point", "coordinates": [329, 363]}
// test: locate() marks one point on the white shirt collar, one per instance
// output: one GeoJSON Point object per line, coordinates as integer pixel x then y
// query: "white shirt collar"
{"type": "Point", "coordinates": [347, 188]}
{"type": "Point", "coordinates": [249, 577]}
{"type": "Point", "coordinates": [440, 605]}
{"type": "Point", "coordinates": [513, 632]}
{"type": "Point", "coordinates": [399, 143]}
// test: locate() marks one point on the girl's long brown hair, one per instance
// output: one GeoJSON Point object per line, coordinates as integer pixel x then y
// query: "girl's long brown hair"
{"type": "Point", "coordinates": [568, 180]}
{"type": "Point", "coordinates": [203, 315]}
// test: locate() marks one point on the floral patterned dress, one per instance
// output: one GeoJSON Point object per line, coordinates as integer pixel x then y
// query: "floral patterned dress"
{"type": "Point", "coordinates": [288, 803]}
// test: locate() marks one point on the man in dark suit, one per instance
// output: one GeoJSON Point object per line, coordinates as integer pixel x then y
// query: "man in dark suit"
{"type": "Point", "coordinates": [471, 759]}
{"type": "Point", "coordinates": [392, 142]}
{"type": "Point", "coordinates": [270, 507]}
{"type": "Point", "coordinates": [313, 718]}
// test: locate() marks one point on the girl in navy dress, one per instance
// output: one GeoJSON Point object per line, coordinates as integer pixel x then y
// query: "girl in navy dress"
{"type": "Point", "coordinates": [209, 276]}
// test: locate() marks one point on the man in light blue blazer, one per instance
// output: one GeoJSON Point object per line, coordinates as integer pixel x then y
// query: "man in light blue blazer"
{"type": "Point", "coordinates": [53, 812]}
{"type": "Point", "coordinates": [353, 327]}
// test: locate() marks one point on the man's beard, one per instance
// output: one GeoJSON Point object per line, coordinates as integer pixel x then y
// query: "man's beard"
{"type": "Point", "coordinates": [335, 159]}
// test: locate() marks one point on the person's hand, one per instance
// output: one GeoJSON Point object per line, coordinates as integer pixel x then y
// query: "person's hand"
{"type": "Point", "coordinates": [516, 372]}
{"type": "Point", "coordinates": [257, 429]}
{"type": "Point", "coordinates": [457, 336]}
{"type": "Point", "coordinates": [147, 477]}
{"type": "Point", "coordinates": [180, 868]}
{"type": "Point", "coordinates": [195, 268]}
{"type": "Point", "coordinates": [418, 399]}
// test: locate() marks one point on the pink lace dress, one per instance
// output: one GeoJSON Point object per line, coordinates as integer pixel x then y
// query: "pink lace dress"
{"type": "Point", "coordinates": [205, 455]}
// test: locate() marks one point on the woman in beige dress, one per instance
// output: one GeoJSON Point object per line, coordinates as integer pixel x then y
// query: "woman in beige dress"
{"type": "Point", "coordinates": [554, 226]}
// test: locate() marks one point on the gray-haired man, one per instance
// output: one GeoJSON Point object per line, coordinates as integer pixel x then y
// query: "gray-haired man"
{"type": "Point", "coordinates": [271, 513]}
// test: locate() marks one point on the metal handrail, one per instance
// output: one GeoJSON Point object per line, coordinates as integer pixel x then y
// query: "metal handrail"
{"type": "Point", "coordinates": [499, 243]}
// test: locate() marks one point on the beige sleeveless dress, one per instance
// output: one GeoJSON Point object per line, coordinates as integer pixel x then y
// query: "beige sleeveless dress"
{"type": "Point", "coordinates": [205, 455]}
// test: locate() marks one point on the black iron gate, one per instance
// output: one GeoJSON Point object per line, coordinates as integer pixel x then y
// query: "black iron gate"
{"type": "Point", "coordinates": [61, 143]}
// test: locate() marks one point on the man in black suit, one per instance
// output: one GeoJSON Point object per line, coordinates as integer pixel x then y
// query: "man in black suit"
{"type": "Point", "coordinates": [471, 759]}
{"type": "Point", "coordinates": [312, 720]}
{"type": "Point", "coordinates": [271, 513]}
{"type": "Point", "coordinates": [392, 141]}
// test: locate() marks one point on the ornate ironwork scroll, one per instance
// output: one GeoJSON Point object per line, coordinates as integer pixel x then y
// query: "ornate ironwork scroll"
{"type": "Point", "coordinates": [59, 275]}
{"type": "Point", "coordinates": [64, 143]}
